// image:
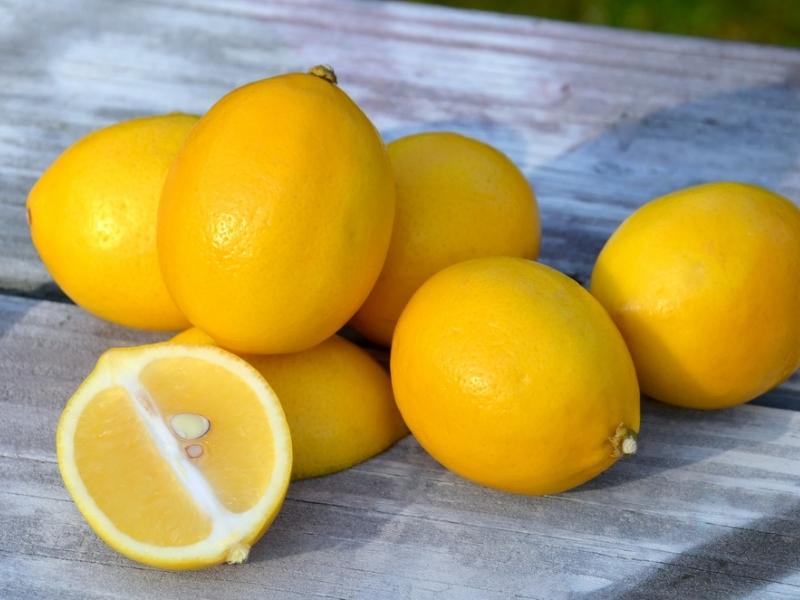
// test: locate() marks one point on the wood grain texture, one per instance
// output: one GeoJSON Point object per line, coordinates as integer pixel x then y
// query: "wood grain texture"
{"type": "Point", "coordinates": [708, 508]}
{"type": "Point", "coordinates": [599, 120]}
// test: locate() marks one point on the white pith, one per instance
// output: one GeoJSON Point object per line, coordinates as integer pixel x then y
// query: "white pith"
{"type": "Point", "coordinates": [229, 529]}
{"type": "Point", "coordinates": [190, 477]}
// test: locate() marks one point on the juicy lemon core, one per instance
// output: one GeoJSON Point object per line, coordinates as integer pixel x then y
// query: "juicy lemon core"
{"type": "Point", "coordinates": [177, 456]}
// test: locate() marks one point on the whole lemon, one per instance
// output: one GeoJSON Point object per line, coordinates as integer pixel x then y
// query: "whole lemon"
{"type": "Point", "coordinates": [337, 399]}
{"type": "Point", "coordinates": [457, 198]}
{"type": "Point", "coordinates": [276, 216]}
{"type": "Point", "coordinates": [92, 216]}
{"type": "Point", "coordinates": [510, 374]}
{"type": "Point", "coordinates": [704, 284]}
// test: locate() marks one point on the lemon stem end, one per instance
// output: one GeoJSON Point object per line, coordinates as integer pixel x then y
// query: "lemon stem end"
{"type": "Point", "coordinates": [237, 554]}
{"type": "Point", "coordinates": [624, 442]}
{"type": "Point", "coordinates": [324, 72]}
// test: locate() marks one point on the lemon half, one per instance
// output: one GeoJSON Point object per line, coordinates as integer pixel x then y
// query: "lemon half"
{"type": "Point", "coordinates": [177, 456]}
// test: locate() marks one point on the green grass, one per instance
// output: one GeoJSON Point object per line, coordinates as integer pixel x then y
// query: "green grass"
{"type": "Point", "coordinates": [762, 21]}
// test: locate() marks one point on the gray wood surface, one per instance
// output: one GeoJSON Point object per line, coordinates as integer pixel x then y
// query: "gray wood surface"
{"type": "Point", "coordinates": [600, 121]}
{"type": "Point", "coordinates": [709, 508]}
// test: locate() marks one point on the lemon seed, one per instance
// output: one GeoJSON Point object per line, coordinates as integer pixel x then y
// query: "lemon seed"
{"type": "Point", "coordinates": [189, 426]}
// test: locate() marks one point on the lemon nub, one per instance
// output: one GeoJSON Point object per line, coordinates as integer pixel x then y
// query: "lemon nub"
{"type": "Point", "coordinates": [624, 442]}
{"type": "Point", "coordinates": [324, 72]}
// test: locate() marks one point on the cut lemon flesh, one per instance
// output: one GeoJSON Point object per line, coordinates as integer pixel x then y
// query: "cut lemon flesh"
{"type": "Point", "coordinates": [177, 456]}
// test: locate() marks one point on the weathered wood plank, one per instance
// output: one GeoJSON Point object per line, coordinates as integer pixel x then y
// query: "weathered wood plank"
{"type": "Point", "coordinates": [600, 120]}
{"type": "Point", "coordinates": [709, 508]}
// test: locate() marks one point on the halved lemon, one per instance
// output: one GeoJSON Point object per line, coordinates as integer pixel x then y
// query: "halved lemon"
{"type": "Point", "coordinates": [177, 456]}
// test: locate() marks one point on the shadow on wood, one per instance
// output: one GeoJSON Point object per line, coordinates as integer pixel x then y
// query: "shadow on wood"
{"type": "Point", "coordinates": [712, 570]}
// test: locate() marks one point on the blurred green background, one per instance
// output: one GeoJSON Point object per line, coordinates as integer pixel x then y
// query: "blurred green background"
{"type": "Point", "coordinates": [762, 21]}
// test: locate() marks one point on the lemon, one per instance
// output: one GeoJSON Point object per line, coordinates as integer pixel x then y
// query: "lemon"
{"type": "Point", "coordinates": [457, 198]}
{"type": "Point", "coordinates": [704, 284]}
{"type": "Point", "coordinates": [92, 217]}
{"type": "Point", "coordinates": [177, 456]}
{"type": "Point", "coordinates": [276, 216]}
{"type": "Point", "coordinates": [510, 374]}
{"type": "Point", "coordinates": [338, 403]}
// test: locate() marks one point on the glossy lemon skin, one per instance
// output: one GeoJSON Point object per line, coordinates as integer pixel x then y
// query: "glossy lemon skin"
{"type": "Point", "coordinates": [276, 216]}
{"type": "Point", "coordinates": [512, 375]}
{"type": "Point", "coordinates": [457, 198]}
{"type": "Point", "coordinates": [92, 216]}
{"type": "Point", "coordinates": [337, 399]}
{"type": "Point", "coordinates": [704, 284]}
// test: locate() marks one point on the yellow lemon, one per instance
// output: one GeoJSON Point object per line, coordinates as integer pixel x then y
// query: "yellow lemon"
{"type": "Point", "coordinates": [177, 456]}
{"type": "Point", "coordinates": [338, 403]}
{"type": "Point", "coordinates": [704, 284]}
{"type": "Point", "coordinates": [92, 216]}
{"type": "Point", "coordinates": [510, 374]}
{"type": "Point", "coordinates": [457, 198]}
{"type": "Point", "coordinates": [276, 216]}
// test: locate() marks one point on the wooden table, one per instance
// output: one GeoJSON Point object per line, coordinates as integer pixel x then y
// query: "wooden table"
{"type": "Point", "coordinates": [600, 120]}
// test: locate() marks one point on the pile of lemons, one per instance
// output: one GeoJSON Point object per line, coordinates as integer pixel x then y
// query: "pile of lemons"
{"type": "Point", "coordinates": [278, 218]}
